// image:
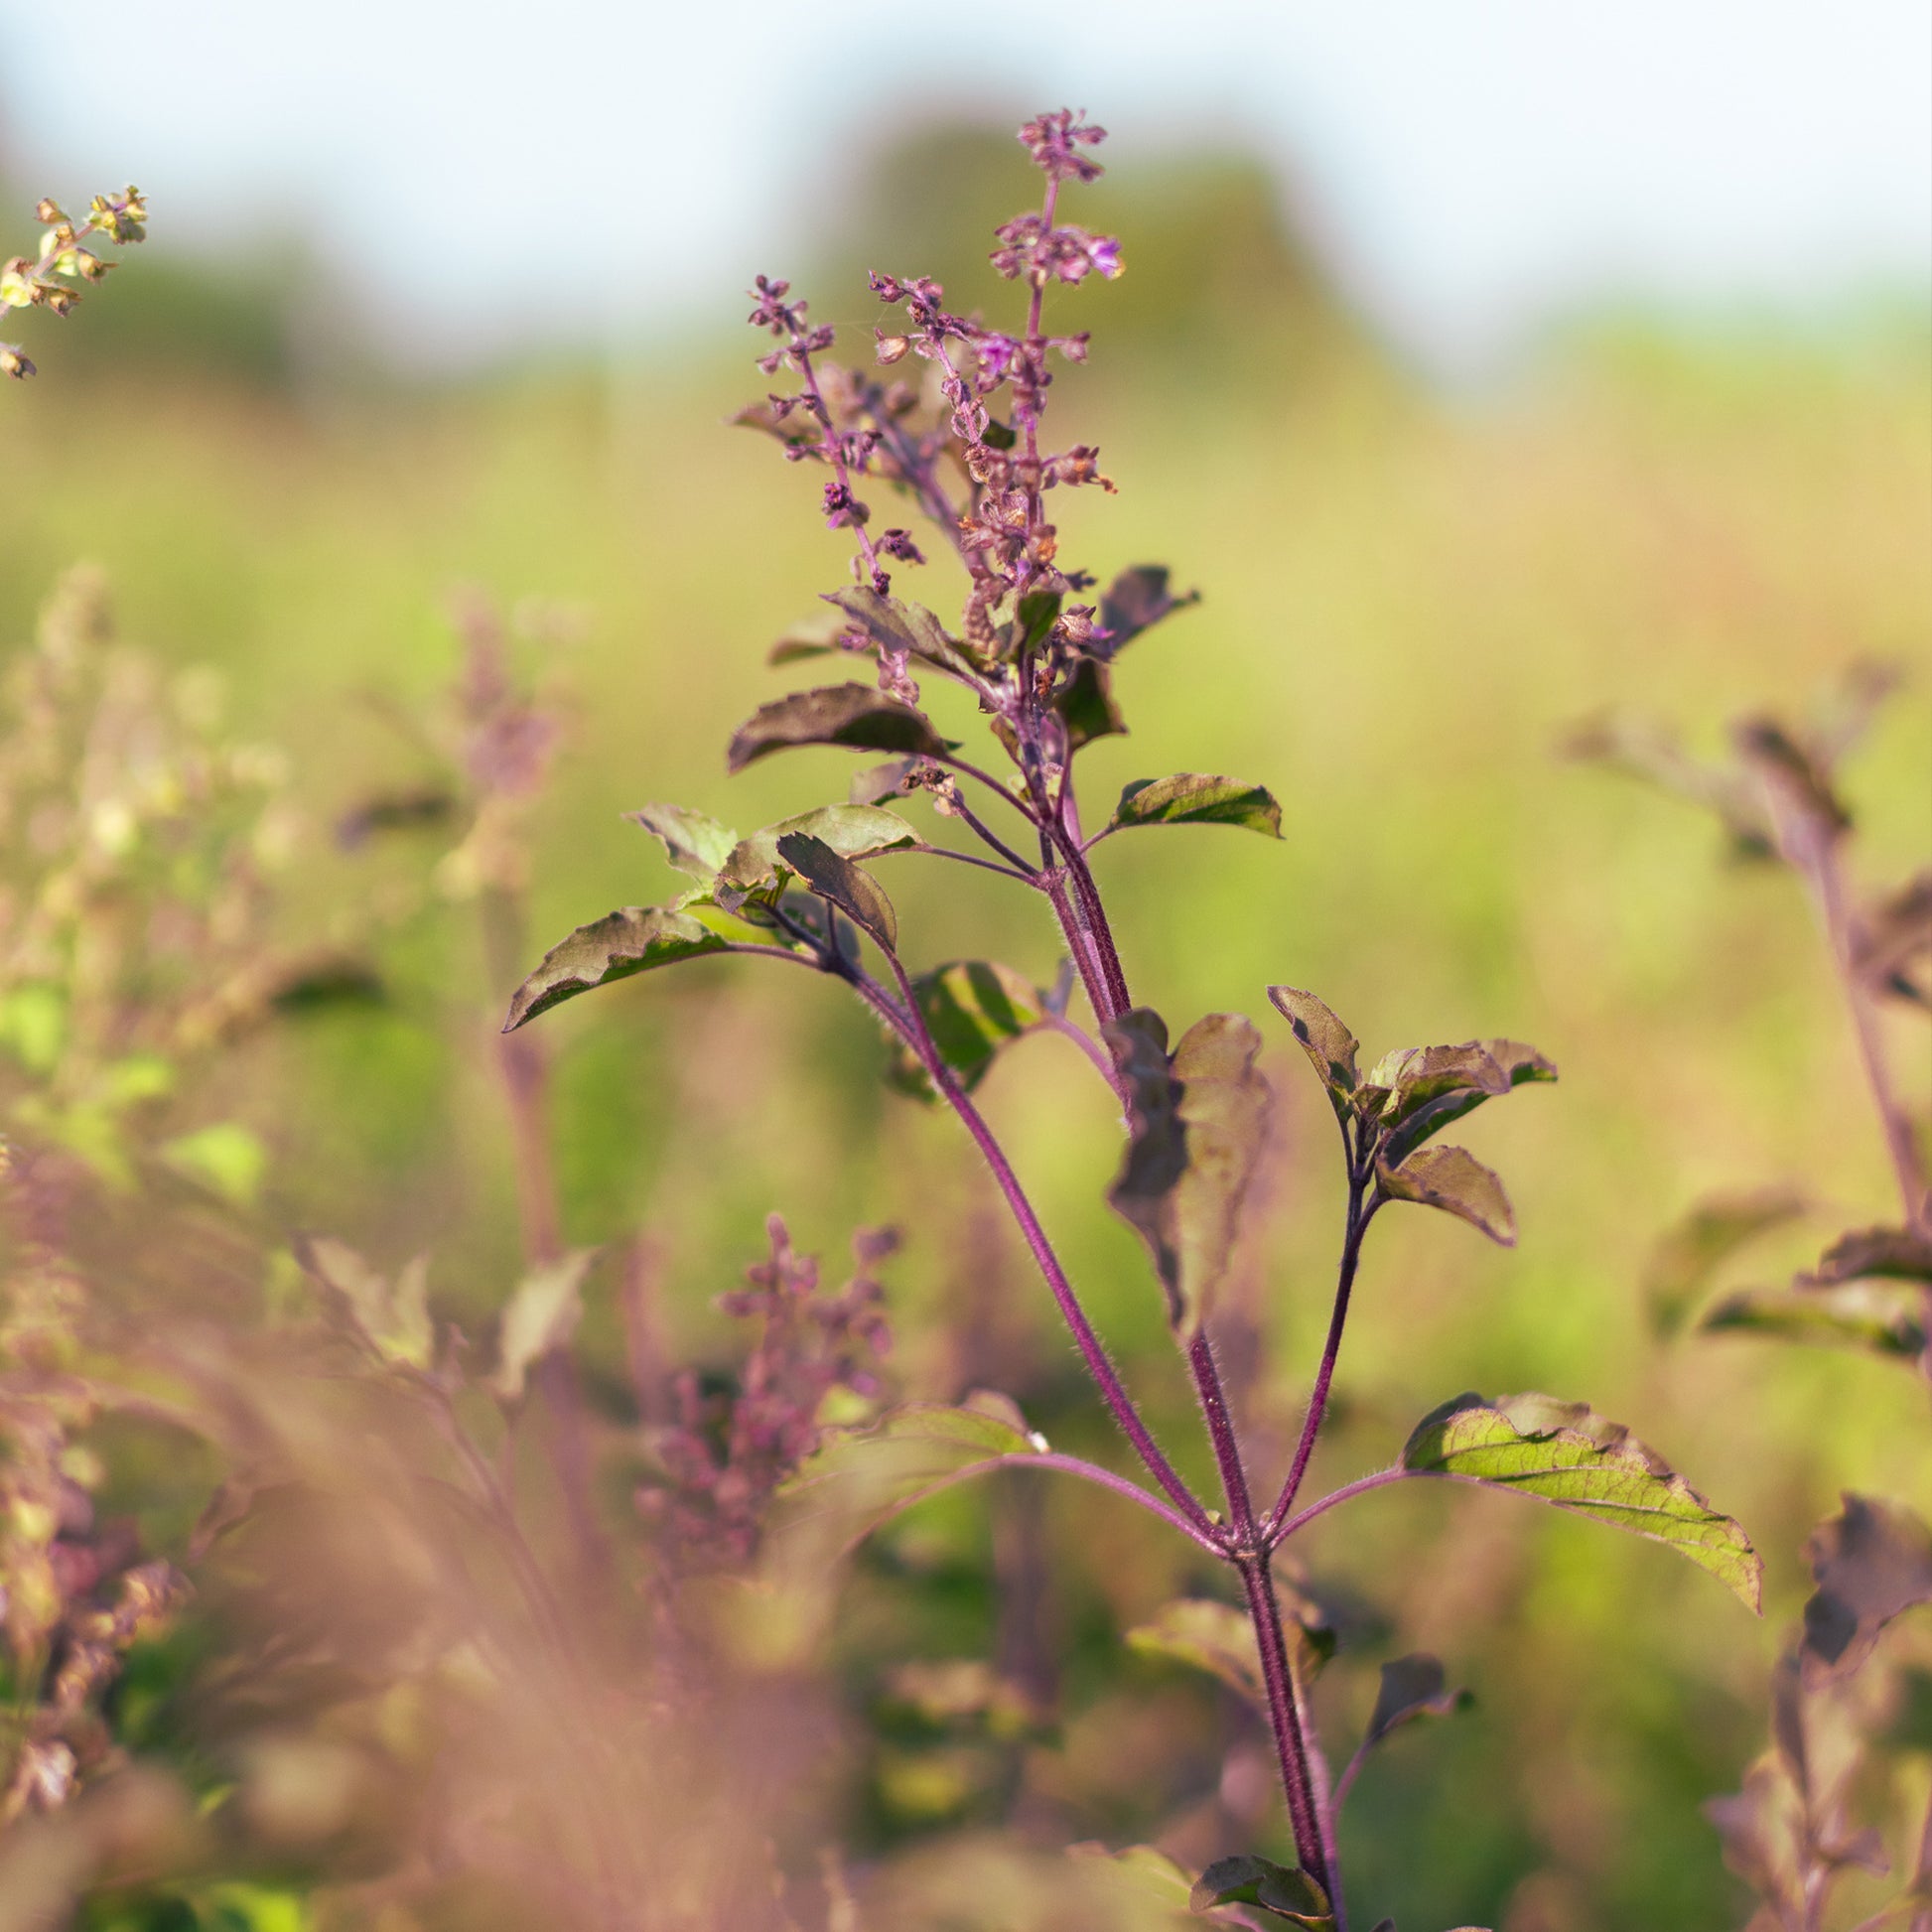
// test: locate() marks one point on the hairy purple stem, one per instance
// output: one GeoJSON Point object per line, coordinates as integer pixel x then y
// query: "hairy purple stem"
{"type": "Point", "coordinates": [1351, 1254]}
{"type": "Point", "coordinates": [911, 1029]}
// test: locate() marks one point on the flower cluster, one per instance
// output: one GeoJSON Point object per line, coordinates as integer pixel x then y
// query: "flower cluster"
{"type": "Point", "coordinates": [725, 1454]}
{"type": "Point", "coordinates": [963, 441]}
{"type": "Point", "coordinates": [49, 281]}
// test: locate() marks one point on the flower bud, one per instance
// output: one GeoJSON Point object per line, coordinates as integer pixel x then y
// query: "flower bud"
{"type": "Point", "coordinates": [892, 348]}
{"type": "Point", "coordinates": [14, 364]}
{"type": "Point", "coordinates": [49, 211]}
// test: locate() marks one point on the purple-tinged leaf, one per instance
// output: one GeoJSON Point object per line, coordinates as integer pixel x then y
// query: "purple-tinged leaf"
{"type": "Point", "coordinates": [1194, 798]}
{"type": "Point", "coordinates": [1564, 1453]}
{"type": "Point", "coordinates": [1196, 1123]}
{"type": "Point", "coordinates": [1136, 600]}
{"type": "Point", "coordinates": [1793, 776]}
{"type": "Point", "coordinates": [1893, 1254]}
{"type": "Point", "coordinates": [1284, 1893]}
{"type": "Point", "coordinates": [1330, 1046]}
{"type": "Point", "coordinates": [908, 628]}
{"type": "Point", "coordinates": [1871, 1563]}
{"type": "Point", "coordinates": [626, 941]}
{"type": "Point", "coordinates": [1891, 948]}
{"type": "Point", "coordinates": [1691, 1251]}
{"type": "Point", "coordinates": [840, 882]}
{"type": "Point", "coordinates": [1412, 1687]}
{"type": "Point", "coordinates": [972, 1008]}
{"type": "Point", "coordinates": [858, 717]}
{"type": "Point", "coordinates": [1759, 1828]}
{"type": "Point", "coordinates": [1453, 1180]}
{"type": "Point", "coordinates": [1643, 749]}
{"type": "Point", "coordinates": [1415, 1095]}
{"type": "Point", "coordinates": [1085, 703]}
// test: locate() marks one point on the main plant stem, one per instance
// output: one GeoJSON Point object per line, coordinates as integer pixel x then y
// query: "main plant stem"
{"type": "Point", "coordinates": [1249, 1550]}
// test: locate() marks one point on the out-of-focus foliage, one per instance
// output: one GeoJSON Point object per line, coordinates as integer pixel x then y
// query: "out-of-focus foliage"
{"type": "Point", "coordinates": [361, 1714]}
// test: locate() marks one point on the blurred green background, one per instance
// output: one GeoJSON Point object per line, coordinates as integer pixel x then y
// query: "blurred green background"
{"type": "Point", "coordinates": [1407, 597]}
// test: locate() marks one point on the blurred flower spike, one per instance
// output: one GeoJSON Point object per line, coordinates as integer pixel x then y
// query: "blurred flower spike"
{"type": "Point", "coordinates": [46, 281]}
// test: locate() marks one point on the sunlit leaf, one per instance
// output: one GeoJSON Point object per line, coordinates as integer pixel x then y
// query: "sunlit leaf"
{"type": "Point", "coordinates": [391, 1316]}
{"type": "Point", "coordinates": [840, 882]}
{"type": "Point", "coordinates": [1415, 1095]}
{"type": "Point", "coordinates": [1412, 1687]}
{"type": "Point", "coordinates": [1193, 798]}
{"type": "Point", "coordinates": [857, 715]}
{"type": "Point", "coordinates": [1140, 1870]}
{"type": "Point", "coordinates": [1330, 1046]}
{"type": "Point", "coordinates": [1871, 1563]}
{"type": "Point", "coordinates": [972, 1008]}
{"type": "Point", "coordinates": [1282, 1891]}
{"type": "Point", "coordinates": [694, 842]}
{"type": "Point", "coordinates": [1564, 1452]}
{"type": "Point", "coordinates": [630, 941]}
{"type": "Point", "coordinates": [1689, 1253]}
{"type": "Point", "coordinates": [1207, 1636]}
{"type": "Point", "coordinates": [851, 831]}
{"type": "Point", "coordinates": [859, 1478]}
{"type": "Point", "coordinates": [541, 1314]}
{"type": "Point", "coordinates": [1453, 1180]}
{"type": "Point", "coordinates": [1195, 1125]}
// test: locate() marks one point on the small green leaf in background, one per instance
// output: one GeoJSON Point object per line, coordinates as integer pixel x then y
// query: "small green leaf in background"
{"type": "Point", "coordinates": [225, 1157]}
{"type": "Point", "coordinates": [1412, 1687]}
{"type": "Point", "coordinates": [694, 842]}
{"type": "Point", "coordinates": [1884, 1316]}
{"type": "Point", "coordinates": [1330, 1046]}
{"type": "Point", "coordinates": [1453, 1180]}
{"type": "Point", "coordinates": [1140, 1870]}
{"type": "Point", "coordinates": [972, 1008]}
{"type": "Point", "coordinates": [626, 941]}
{"type": "Point", "coordinates": [1689, 1253]}
{"type": "Point", "coordinates": [1282, 1892]}
{"type": "Point", "coordinates": [392, 1317]}
{"type": "Point", "coordinates": [840, 882]}
{"type": "Point", "coordinates": [1193, 798]}
{"type": "Point", "coordinates": [542, 1314]}
{"type": "Point", "coordinates": [1207, 1636]}
{"type": "Point", "coordinates": [1196, 1122]}
{"type": "Point", "coordinates": [33, 1025]}
{"type": "Point", "coordinates": [1871, 1562]}
{"type": "Point", "coordinates": [857, 715]}
{"type": "Point", "coordinates": [1564, 1452]}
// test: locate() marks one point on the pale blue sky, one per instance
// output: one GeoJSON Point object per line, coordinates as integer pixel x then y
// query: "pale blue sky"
{"type": "Point", "coordinates": [1477, 166]}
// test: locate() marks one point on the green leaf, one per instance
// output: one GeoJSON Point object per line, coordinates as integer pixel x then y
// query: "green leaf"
{"type": "Point", "coordinates": [1564, 1453]}
{"type": "Point", "coordinates": [1412, 1687]}
{"type": "Point", "coordinates": [856, 716]}
{"type": "Point", "coordinates": [1032, 622]}
{"type": "Point", "coordinates": [1136, 600]}
{"type": "Point", "coordinates": [1877, 1316]}
{"type": "Point", "coordinates": [693, 842]}
{"type": "Point", "coordinates": [753, 865]}
{"type": "Point", "coordinates": [1871, 1563]}
{"type": "Point", "coordinates": [1142, 1872]}
{"type": "Point", "coordinates": [1414, 1093]}
{"type": "Point", "coordinates": [225, 1157]}
{"type": "Point", "coordinates": [392, 1317]}
{"type": "Point", "coordinates": [840, 882]}
{"type": "Point", "coordinates": [541, 1314]}
{"type": "Point", "coordinates": [1455, 1180]}
{"type": "Point", "coordinates": [1689, 1253]}
{"type": "Point", "coordinates": [972, 1008]}
{"type": "Point", "coordinates": [905, 627]}
{"type": "Point", "coordinates": [858, 1478]}
{"type": "Point", "coordinates": [1196, 1125]}
{"type": "Point", "coordinates": [1193, 798]}
{"type": "Point", "coordinates": [1207, 1636]}
{"type": "Point", "coordinates": [1282, 1892]}
{"type": "Point", "coordinates": [1330, 1046]}
{"type": "Point", "coordinates": [628, 940]}
{"type": "Point", "coordinates": [33, 1025]}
